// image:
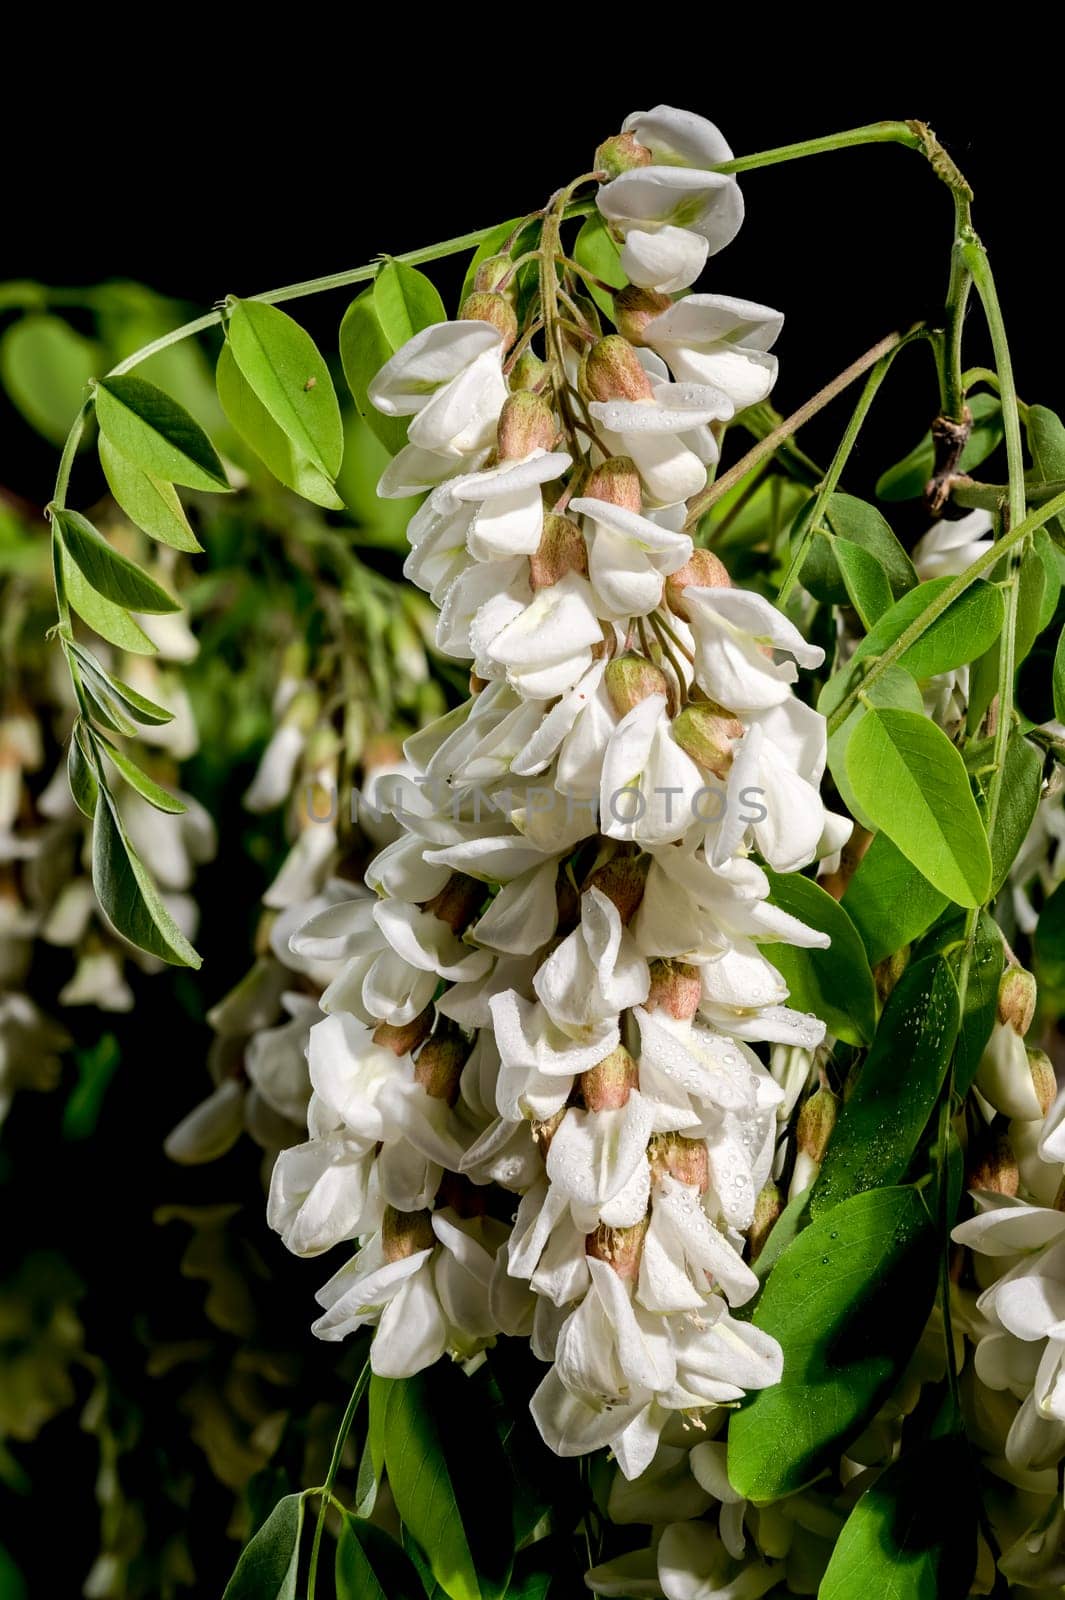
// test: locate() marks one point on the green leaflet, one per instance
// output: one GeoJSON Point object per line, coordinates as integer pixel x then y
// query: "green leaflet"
{"type": "Point", "coordinates": [269, 1564]}
{"type": "Point", "coordinates": [147, 501]}
{"type": "Point", "coordinates": [157, 434]}
{"type": "Point", "coordinates": [1046, 442]}
{"type": "Point", "coordinates": [46, 368]}
{"type": "Point", "coordinates": [1022, 782]}
{"type": "Point", "coordinates": [912, 782]}
{"type": "Point", "coordinates": [283, 367]}
{"type": "Point", "coordinates": [964, 631]}
{"type": "Point", "coordinates": [596, 249]}
{"type": "Point", "coordinates": [128, 896]}
{"type": "Point", "coordinates": [122, 703]}
{"type": "Point", "coordinates": [84, 789]}
{"type": "Point", "coordinates": [110, 621]}
{"type": "Point", "coordinates": [881, 1123]}
{"type": "Point", "coordinates": [847, 1300]}
{"type": "Point", "coordinates": [106, 571]}
{"type": "Point", "coordinates": [151, 791]}
{"type": "Point", "coordinates": [406, 301]}
{"type": "Point", "coordinates": [836, 984]}
{"type": "Point", "coordinates": [981, 991]}
{"type": "Point", "coordinates": [889, 901]}
{"type": "Point", "coordinates": [894, 687]}
{"type": "Point", "coordinates": [251, 420]}
{"type": "Point", "coordinates": [1059, 677]}
{"type": "Point", "coordinates": [1031, 590]}
{"type": "Point", "coordinates": [370, 1565]}
{"type": "Point", "coordinates": [907, 478]}
{"type": "Point", "coordinates": [860, 524]}
{"type": "Point", "coordinates": [866, 581]}
{"type": "Point", "coordinates": [913, 1534]}
{"type": "Point", "coordinates": [364, 349]}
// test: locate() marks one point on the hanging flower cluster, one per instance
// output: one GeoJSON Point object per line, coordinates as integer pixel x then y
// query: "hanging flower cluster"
{"type": "Point", "coordinates": [551, 985]}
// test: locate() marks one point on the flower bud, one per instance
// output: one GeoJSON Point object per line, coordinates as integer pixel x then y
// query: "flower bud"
{"type": "Point", "coordinates": [439, 1063]}
{"type": "Point", "coordinates": [767, 1209]}
{"type": "Point", "coordinates": [562, 549]}
{"type": "Point", "coordinates": [526, 423]}
{"type": "Point", "coordinates": [817, 1118]}
{"type": "Point", "coordinates": [676, 988]}
{"type": "Point", "coordinates": [703, 571]}
{"type": "Point", "coordinates": [491, 273]}
{"type": "Point", "coordinates": [687, 1160]}
{"type": "Point", "coordinates": [634, 308]}
{"type": "Point", "coordinates": [607, 1085]}
{"type": "Point", "coordinates": [486, 306]}
{"type": "Point", "coordinates": [404, 1037]}
{"type": "Point", "coordinates": [622, 152]}
{"type": "Point", "coordinates": [622, 880]}
{"type": "Point", "coordinates": [1016, 999]}
{"type": "Point", "coordinates": [707, 733]}
{"type": "Point", "coordinates": [528, 372]}
{"type": "Point", "coordinates": [458, 901]}
{"type": "Point", "coordinates": [630, 679]}
{"type": "Point", "coordinates": [617, 482]}
{"type": "Point", "coordinates": [1044, 1081]}
{"type": "Point", "coordinates": [404, 1233]}
{"type": "Point", "coordinates": [613, 371]}
{"type": "Point", "coordinates": [620, 1248]}
{"type": "Point", "coordinates": [994, 1166]}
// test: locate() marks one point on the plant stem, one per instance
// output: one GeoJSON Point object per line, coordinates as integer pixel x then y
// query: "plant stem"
{"type": "Point", "coordinates": [701, 503]}
{"type": "Point", "coordinates": [952, 379]}
{"type": "Point", "coordinates": [904, 133]}
{"type": "Point", "coordinates": [325, 1492]}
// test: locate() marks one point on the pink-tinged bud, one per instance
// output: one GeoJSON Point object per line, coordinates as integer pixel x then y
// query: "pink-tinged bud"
{"type": "Point", "coordinates": [994, 1166]}
{"type": "Point", "coordinates": [562, 550]}
{"type": "Point", "coordinates": [622, 152]}
{"type": "Point", "coordinates": [767, 1209]}
{"type": "Point", "coordinates": [620, 1248]}
{"type": "Point", "coordinates": [1044, 1081]}
{"type": "Point", "coordinates": [613, 371]}
{"type": "Point", "coordinates": [526, 423]}
{"type": "Point", "coordinates": [703, 571]}
{"type": "Point", "coordinates": [543, 1132]}
{"type": "Point", "coordinates": [404, 1038]}
{"type": "Point", "coordinates": [622, 880]}
{"type": "Point", "coordinates": [486, 306]}
{"type": "Point", "coordinates": [528, 372]}
{"type": "Point", "coordinates": [617, 482]}
{"type": "Point", "coordinates": [607, 1085]}
{"type": "Point", "coordinates": [707, 734]}
{"type": "Point", "coordinates": [676, 989]}
{"type": "Point", "coordinates": [634, 308]}
{"type": "Point", "coordinates": [631, 679]}
{"type": "Point", "coordinates": [686, 1160]}
{"type": "Point", "coordinates": [1016, 999]}
{"type": "Point", "coordinates": [439, 1063]}
{"type": "Point", "coordinates": [458, 901]}
{"type": "Point", "coordinates": [491, 273]}
{"type": "Point", "coordinates": [817, 1119]}
{"type": "Point", "coordinates": [404, 1233]}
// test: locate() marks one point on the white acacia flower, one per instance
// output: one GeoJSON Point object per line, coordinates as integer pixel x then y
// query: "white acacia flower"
{"type": "Point", "coordinates": [667, 436]}
{"type": "Point", "coordinates": [775, 778]}
{"type": "Point", "coordinates": [949, 547]}
{"type": "Point", "coordinates": [718, 340]}
{"type": "Point", "coordinates": [629, 557]}
{"type": "Point", "coordinates": [449, 380]}
{"type": "Point", "coordinates": [650, 789]}
{"type": "Point", "coordinates": [547, 646]}
{"type": "Point", "coordinates": [731, 626]}
{"type": "Point", "coordinates": [595, 973]}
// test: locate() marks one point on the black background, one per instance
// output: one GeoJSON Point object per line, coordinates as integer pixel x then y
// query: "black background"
{"type": "Point", "coordinates": [202, 169]}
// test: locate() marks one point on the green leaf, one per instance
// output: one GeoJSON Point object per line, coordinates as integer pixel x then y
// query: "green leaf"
{"type": "Point", "coordinates": [867, 583]}
{"type": "Point", "coordinates": [406, 301]}
{"type": "Point", "coordinates": [597, 250]}
{"type": "Point", "coordinates": [251, 420]}
{"type": "Point", "coordinates": [1046, 443]}
{"type": "Point", "coordinates": [133, 703]}
{"type": "Point", "coordinates": [112, 575]}
{"type": "Point", "coordinates": [450, 1479]}
{"type": "Point", "coordinates": [894, 687]}
{"type": "Point", "coordinates": [111, 622]}
{"type": "Point", "coordinates": [372, 1566]}
{"type": "Point", "coordinates": [269, 1564]}
{"type": "Point", "coordinates": [907, 478]}
{"type": "Point", "coordinates": [146, 787]}
{"type": "Point", "coordinates": [284, 369]}
{"type": "Point", "coordinates": [46, 368]}
{"type": "Point", "coordinates": [364, 349]}
{"type": "Point", "coordinates": [912, 782]}
{"type": "Point", "coordinates": [898, 1086]}
{"type": "Point", "coordinates": [988, 957]}
{"type": "Point", "coordinates": [835, 984]}
{"type": "Point", "coordinates": [150, 429]}
{"type": "Point", "coordinates": [913, 1534]}
{"type": "Point", "coordinates": [1049, 941]}
{"type": "Point", "coordinates": [1022, 783]}
{"type": "Point", "coordinates": [147, 501]}
{"type": "Point", "coordinates": [889, 901]}
{"type": "Point", "coordinates": [966, 629]}
{"type": "Point", "coordinates": [983, 685]}
{"type": "Point", "coordinates": [83, 786]}
{"type": "Point", "coordinates": [859, 523]}
{"type": "Point", "coordinates": [127, 894]}
{"type": "Point", "coordinates": [1059, 677]}
{"type": "Point", "coordinates": [847, 1301]}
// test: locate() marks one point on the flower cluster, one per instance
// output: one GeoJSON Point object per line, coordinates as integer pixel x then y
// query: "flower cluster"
{"type": "Point", "coordinates": [534, 1100]}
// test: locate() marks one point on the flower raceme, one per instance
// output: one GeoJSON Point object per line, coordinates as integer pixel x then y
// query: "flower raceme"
{"type": "Point", "coordinates": [535, 1105]}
